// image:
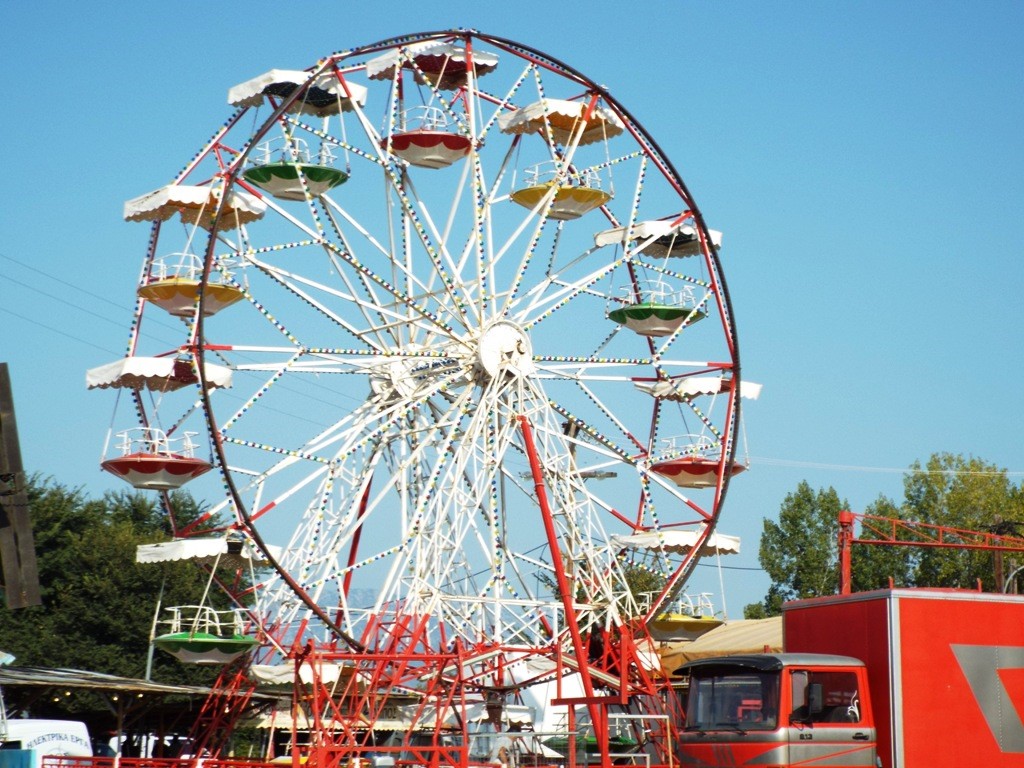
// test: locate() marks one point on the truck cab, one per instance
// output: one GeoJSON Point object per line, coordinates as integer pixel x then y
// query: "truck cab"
{"type": "Point", "coordinates": [782, 709]}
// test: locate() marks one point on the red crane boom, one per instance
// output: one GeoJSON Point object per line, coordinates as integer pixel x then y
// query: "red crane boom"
{"type": "Point", "coordinates": [907, 533]}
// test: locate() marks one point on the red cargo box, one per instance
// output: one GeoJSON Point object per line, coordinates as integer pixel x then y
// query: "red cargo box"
{"type": "Point", "coordinates": [945, 667]}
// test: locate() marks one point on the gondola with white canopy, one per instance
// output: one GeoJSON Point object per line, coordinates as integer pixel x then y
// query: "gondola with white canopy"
{"type": "Point", "coordinates": [445, 65]}
{"type": "Point", "coordinates": [692, 461]}
{"type": "Point", "coordinates": [428, 136]}
{"type": "Point", "coordinates": [564, 190]}
{"type": "Point", "coordinates": [286, 167]}
{"type": "Point", "coordinates": [683, 614]}
{"type": "Point", "coordinates": [201, 634]}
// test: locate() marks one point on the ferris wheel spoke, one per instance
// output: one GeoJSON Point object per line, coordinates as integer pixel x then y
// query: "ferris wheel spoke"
{"type": "Point", "coordinates": [545, 302]}
{"type": "Point", "coordinates": [419, 294]}
{"type": "Point", "coordinates": [412, 214]}
{"type": "Point", "coordinates": [407, 297]}
{"type": "Point", "coordinates": [437, 254]}
{"type": "Point", "coordinates": [300, 287]}
{"type": "Point", "coordinates": [420, 441]}
{"type": "Point", "coordinates": [409, 301]}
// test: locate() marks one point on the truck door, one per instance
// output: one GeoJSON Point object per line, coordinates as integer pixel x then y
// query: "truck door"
{"type": "Point", "coordinates": [828, 722]}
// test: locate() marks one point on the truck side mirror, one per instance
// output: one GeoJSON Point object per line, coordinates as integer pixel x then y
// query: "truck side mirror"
{"type": "Point", "coordinates": [815, 698]}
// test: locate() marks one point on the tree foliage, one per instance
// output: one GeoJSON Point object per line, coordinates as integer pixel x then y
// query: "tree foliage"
{"type": "Point", "coordinates": [799, 552]}
{"type": "Point", "coordinates": [641, 582]}
{"type": "Point", "coordinates": [962, 493]}
{"type": "Point", "coordinates": [98, 603]}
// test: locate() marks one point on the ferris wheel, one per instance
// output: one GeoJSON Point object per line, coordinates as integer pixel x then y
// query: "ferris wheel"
{"type": "Point", "coordinates": [436, 327]}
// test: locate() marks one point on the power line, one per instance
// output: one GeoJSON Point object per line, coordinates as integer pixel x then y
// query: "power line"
{"type": "Point", "coordinates": [703, 564]}
{"type": "Point", "coordinates": [78, 289]}
{"type": "Point", "coordinates": [58, 331]}
{"type": "Point", "coordinates": [761, 460]}
{"type": "Point", "coordinates": [61, 300]}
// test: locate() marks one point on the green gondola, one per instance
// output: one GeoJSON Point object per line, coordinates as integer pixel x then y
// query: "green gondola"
{"type": "Point", "coordinates": [204, 647]}
{"type": "Point", "coordinates": [650, 318]}
{"type": "Point", "coordinates": [284, 179]}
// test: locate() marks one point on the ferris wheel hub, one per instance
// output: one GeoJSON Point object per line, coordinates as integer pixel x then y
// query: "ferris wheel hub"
{"type": "Point", "coordinates": [503, 349]}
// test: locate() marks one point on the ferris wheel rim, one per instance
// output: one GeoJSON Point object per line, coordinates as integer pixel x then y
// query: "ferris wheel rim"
{"type": "Point", "coordinates": [231, 179]}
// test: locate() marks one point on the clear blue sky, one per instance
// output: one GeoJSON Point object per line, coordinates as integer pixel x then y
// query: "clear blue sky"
{"type": "Point", "coordinates": [865, 161]}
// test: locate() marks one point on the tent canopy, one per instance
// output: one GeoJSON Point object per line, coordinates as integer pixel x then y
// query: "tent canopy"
{"type": "Point", "coordinates": [438, 60]}
{"type": "Point", "coordinates": [564, 118]}
{"type": "Point", "coordinates": [743, 636]}
{"type": "Point", "coordinates": [679, 542]}
{"type": "Point", "coordinates": [162, 374]}
{"type": "Point", "coordinates": [659, 237]}
{"type": "Point", "coordinates": [225, 551]}
{"type": "Point", "coordinates": [196, 204]}
{"type": "Point", "coordinates": [325, 96]}
{"type": "Point", "coordinates": [683, 389]}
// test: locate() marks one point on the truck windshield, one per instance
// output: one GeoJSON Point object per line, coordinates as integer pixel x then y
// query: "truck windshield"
{"type": "Point", "coordinates": [738, 699]}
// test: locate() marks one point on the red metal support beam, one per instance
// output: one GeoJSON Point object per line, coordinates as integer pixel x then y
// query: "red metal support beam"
{"type": "Point", "coordinates": [566, 590]}
{"type": "Point", "coordinates": [845, 545]}
{"type": "Point", "coordinates": [889, 531]}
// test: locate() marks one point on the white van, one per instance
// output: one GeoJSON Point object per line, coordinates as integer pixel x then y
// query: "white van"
{"type": "Point", "coordinates": [45, 737]}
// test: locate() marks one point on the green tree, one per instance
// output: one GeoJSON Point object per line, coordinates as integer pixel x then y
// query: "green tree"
{"type": "Point", "coordinates": [98, 603]}
{"type": "Point", "coordinates": [799, 551]}
{"type": "Point", "coordinates": [948, 490]}
{"type": "Point", "coordinates": [965, 493]}
{"type": "Point", "coordinates": [642, 583]}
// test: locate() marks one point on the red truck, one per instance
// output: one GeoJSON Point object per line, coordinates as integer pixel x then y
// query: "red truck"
{"type": "Point", "coordinates": [901, 678]}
